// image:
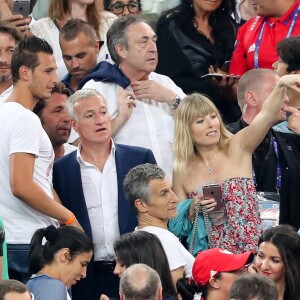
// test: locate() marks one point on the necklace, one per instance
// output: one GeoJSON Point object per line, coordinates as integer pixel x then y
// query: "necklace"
{"type": "Point", "coordinates": [209, 168]}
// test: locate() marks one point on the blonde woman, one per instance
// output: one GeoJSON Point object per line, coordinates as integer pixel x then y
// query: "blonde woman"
{"type": "Point", "coordinates": [205, 152]}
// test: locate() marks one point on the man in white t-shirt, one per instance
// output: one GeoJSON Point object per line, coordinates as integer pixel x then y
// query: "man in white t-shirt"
{"type": "Point", "coordinates": [55, 119]}
{"type": "Point", "coordinates": [144, 119]}
{"type": "Point", "coordinates": [27, 200]}
{"type": "Point", "coordinates": [9, 39]}
{"type": "Point", "coordinates": [149, 191]}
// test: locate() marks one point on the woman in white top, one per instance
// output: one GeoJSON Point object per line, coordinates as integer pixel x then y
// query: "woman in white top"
{"type": "Point", "coordinates": [60, 11]}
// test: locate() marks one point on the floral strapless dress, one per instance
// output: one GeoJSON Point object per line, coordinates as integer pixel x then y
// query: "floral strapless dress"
{"type": "Point", "coordinates": [242, 229]}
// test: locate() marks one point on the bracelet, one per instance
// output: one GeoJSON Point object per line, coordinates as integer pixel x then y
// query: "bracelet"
{"type": "Point", "coordinates": [70, 220]}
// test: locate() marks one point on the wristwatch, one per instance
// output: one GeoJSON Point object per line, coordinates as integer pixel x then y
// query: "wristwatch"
{"type": "Point", "coordinates": [175, 102]}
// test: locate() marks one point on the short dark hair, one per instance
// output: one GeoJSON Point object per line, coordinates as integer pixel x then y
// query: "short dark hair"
{"type": "Point", "coordinates": [289, 52]}
{"type": "Point", "coordinates": [26, 54]}
{"type": "Point", "coordinates": [11, 285]}
{"type": "Point", "coordinates": [116, 34]}
{"type": "Point", "coordinates": [8, 28]}
{"type": "Point", "coordinates": [136, 182]}
{"type": "Point", "coordinates": [251, 286]}
{"type": "Point", "coordinates": [57, 238]}
{"type": "Point", "coordinates": [76, 26]}
{"type": "Point", "coordinates": [59, 88]}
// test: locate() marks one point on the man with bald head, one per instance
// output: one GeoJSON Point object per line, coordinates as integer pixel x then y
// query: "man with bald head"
{"type": "Point", "coordinates": [276, 161]}
{"type": "Point", "coordinates": [139, 281]}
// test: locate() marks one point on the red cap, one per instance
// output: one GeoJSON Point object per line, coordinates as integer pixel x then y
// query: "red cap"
{"type": "Point", "coordinates": [210, 262]}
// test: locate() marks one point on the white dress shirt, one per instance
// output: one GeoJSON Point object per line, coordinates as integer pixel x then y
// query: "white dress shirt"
{"type": "Point", "coordinates": [101, 197]}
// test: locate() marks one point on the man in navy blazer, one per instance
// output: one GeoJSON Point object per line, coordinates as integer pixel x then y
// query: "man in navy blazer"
{"type": "Point", "coordinates": [89, 182]}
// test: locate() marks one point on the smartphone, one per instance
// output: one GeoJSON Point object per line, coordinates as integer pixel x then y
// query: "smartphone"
{"type": "Point", "coordinates": [21, 7]}
{"type": "Point", "coordinates": [226, 66]}
{"type": "Point", "coordinates": [218, 76]}
{"type": "Point", "coordinates": [214, 191]}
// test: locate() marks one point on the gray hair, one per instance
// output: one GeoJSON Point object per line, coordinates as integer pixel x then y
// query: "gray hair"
{"type": "Point", "coordinates": [252, 80]}
{"type": "Point", "coordinates": [140, 282]}
{"type": "Point", "coordinates": [136, 182]}
{"type": "Point", "coordinates": [80, 95]}
{"type": "Point", "coordinates": [116, 34]}
{"type": "Point", "coordinates": [250, 286]}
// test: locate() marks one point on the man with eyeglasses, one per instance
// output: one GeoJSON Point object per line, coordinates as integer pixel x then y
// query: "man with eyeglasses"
{"type": "Point", "coordinates": [123, 7]}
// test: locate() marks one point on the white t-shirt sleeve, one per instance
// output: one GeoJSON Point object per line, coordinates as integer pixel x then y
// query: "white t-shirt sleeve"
{"type": "Point", "coordinates": [173, 252]}
{"type": "Point", "coordinates": [26, 134]}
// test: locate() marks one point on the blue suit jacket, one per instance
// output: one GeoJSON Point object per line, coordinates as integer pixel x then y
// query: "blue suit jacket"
{"type": "Point", "coordinates": [68, 185]}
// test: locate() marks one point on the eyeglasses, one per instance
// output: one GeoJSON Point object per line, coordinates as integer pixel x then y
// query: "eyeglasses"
{"type": "Point", "coordinates": [118, 7]}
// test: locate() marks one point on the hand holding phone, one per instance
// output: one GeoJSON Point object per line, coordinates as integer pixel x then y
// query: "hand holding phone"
{"type": "Point", "coordinates": [219, 76]}
{"type": "Point", "coordinates": [214, 191]}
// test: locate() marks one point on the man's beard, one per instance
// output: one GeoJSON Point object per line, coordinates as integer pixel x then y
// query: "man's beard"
{"type": "Point", "coordinates": [5, 78]}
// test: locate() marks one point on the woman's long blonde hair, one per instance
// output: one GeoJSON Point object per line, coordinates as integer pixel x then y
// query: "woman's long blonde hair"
{"type": "Point", "coordinates": [58, 9]}
{"type": "Point", "coordinates": [192, 107]}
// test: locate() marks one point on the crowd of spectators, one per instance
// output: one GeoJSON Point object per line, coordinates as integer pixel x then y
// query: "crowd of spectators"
{"type": "Point", "coordinates": [138, 144]}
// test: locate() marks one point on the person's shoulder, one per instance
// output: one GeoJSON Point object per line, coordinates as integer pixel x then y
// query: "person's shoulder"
{"type": "Point", "coordinates": [18, 111]}
{"type": "Point", "coordinates": [43, 284]}
{"type": "Point", "coordinates": [44, 22]}
{"type": "Point", "coordinates": [252, 23]}
{"type": "Point", "coordinates": [66, 159]}
{"type": "Point", "coordinates": [132, 149]}
{"type": "Point", "coordinates": [107, 17]}
{"type": "Point", "coordinates": [168, 16]}
{"type": "Point", "coordinates": [160, 77]}
{"type": "Point", "coordinates": [38, 280]}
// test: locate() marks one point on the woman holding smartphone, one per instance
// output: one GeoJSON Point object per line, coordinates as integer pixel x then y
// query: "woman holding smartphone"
{"type": "Point", "coordinates": [205, 153]}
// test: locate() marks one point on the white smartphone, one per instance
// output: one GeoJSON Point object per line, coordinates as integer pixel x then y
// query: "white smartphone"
{"type": "Point", "coordinates": [218, 76]}
{"type": "Point", "coordinates": [21, 7]}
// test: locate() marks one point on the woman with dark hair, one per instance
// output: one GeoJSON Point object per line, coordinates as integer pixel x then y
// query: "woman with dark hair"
{"type": "Point", "coordinates": [143, 247]}
{"type": "Point", "coordinates": [58, 264]}
{"type": "Point", "coordinates": [123, 7]}
{"type": "Point", "coordinates": [214, 272]}
{"type": "Point", "coordinates": [278, 257]}
{"type": "Point", "coordinates": [192, 37]}
{"type": "Point", "coordinates": [60, 11]}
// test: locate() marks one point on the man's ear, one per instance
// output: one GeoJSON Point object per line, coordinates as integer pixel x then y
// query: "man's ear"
{"type": "Point", "coordinates": [159, 294]}
{"type": "Point", "coordinates": [97, 46]}
{"type": "Point", "coordinates": [215, 283]}
{"type": "Point", "coordinates": [74, 125]}
{"type": "Point", "coordinates": [122, 52]}
{"type": "Point", "coordinates": [250, 98]}
{"type": "Point", "coordinates": [140, 205]}
{"type": "Point", "coordinates": [24, 73]}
